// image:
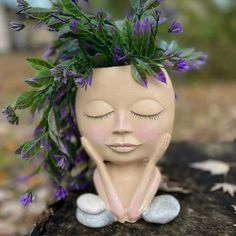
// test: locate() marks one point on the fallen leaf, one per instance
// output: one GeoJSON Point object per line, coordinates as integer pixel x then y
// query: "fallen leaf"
{"type": "Point", "coordinates": [171, 186]}
{"type": "Point", "coordinates": [174, 187]}
{"type": "Point", "coordinates": [234, 208]}
{"type": "Point", "coordinates": [226, 187]}
{"type": "Point", "coordinates": [214, 167]}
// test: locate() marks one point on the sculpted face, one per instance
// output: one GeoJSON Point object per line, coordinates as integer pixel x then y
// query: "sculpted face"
{"type": "Point", "coordinates": [117, 110]}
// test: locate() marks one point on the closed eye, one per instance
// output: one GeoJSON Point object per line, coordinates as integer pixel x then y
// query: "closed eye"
{"type": "Point", "coordinates": [99, 117]}
{"type": "Point", "coordinates": [151, 117]}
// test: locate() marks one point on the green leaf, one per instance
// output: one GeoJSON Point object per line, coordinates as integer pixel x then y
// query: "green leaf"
{"type": "Point", "coordinates": [39, 64]}
{"type": "Point", "coordinates": [43, 74]}
{"type": "Point", "coordinates": [38, 13]}
{"type": "Point", "coordinates": [30, 148]}
{"type": "Point", "coordinates": [65, 29]}
{"type": "Point", "coordinates": [52, 123]}
{"type": "Point", "coordinates": [137, 5]}
{"type": "Point", "coordinates": [120, 24]}
{"type": "Point", "coordinates": [33, 83]}
{"type": "Point", "coordinates": [100, 60]}
{"type": "Point", "coordinates": [137, 74]}
{"type": "Point", "coordinates": [25, 100]}
{"type": "Point", "coordinates": [127, 35]}
{"type": "Point", "coordinates": [150, 4]}
{"type": "Point", "coordinates": [71, 7]}
{"type": "Point", "coordinates": [173, 46]}
{"type": "Point", "coordinates": [60, 145]}
{"type": "Point", "coordinates": [144, 66]}
{"type": "Point", "coordinates": [43, 78]}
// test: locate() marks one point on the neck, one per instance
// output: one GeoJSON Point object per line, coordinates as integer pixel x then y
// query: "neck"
{"type": "Point", "coordinates": [126, 168]}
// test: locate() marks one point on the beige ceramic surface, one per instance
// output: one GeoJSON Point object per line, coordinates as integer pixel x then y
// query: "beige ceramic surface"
{"type": "Point", "coordinates": [116, 110]}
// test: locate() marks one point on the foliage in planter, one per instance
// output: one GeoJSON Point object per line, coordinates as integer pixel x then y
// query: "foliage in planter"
{"type": "Point", "coordinates": [85, 41]}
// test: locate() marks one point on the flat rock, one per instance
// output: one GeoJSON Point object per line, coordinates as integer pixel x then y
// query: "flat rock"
{"type": "Point", "coordinates": [162, 210]}
{"type": "Point", "coordinates": [202, 213]}
{"type": "Point", "coordinates": [95, 220]}
{"type": "Point", "coordinates": [91, 203]}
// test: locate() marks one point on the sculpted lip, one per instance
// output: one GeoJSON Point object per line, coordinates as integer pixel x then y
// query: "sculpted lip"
{"type": "Point", "coordinates": [126, 147]}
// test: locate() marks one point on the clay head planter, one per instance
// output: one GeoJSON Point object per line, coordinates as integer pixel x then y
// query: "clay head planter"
{"type": "Point", "coordinates": [103, 94]}
{"type": "Point", "coordinates": [125, 129]}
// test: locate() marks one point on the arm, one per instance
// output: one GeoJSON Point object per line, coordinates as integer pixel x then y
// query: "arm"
{"type": "Point", "coordinates": [149, 182]}
{"type": "Point", "coordinates": [114, 202]}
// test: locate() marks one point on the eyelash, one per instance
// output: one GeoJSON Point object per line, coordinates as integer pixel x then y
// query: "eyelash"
{"type": "Point", "coordinates": [99, 117]}
{"type": "Point", "coordinates": [151, 117]}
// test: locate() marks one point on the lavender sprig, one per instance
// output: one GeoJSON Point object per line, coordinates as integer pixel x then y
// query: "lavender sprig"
{"type": "Point", "coordinates": [26, 198]}
{"type": "Point", "coordinates": [17, 26]}
{"type": "Point", "coordinates": [176, 28]}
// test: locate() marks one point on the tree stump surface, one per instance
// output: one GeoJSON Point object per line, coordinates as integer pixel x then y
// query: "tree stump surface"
{"type": "Point", "coordinates": [202, 212]}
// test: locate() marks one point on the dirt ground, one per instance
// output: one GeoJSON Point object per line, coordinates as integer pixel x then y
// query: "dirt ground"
{"type": "Point", "coordinates": [204, 113]}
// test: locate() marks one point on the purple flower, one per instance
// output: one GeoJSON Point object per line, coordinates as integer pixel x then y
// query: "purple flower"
{"type": "Point", "coordinates": [198, 63]}
{"type": "Point", "coordinates": [144, 82]}
{"type": "Point", "coordinates": [160, 76]}
{"type": "Point", "coordinates": [37, 131]}
{"type": "Point", "coordinates": [182, 65]}
{"type": "Point", "coordinates": [50, 52]}
{"type": "Point", "coordinates": [61, 193]}
{"type": "Point", "coordinates": [142, 28]}
{"type": "Point", "coordinates": [66, 74]}
{"type": "Point", "coordinates": [57, 73]}
{"type": "Point", "coordinates": [178, 53]}
{"type": "Point", "coordinates": [17, 26]}
{"type": "Point", "coordinates": [62, 162]}
{"type": "Point", "coordinates": [52, 29]}
{"type": "Point", "coordinates": [145, 26]}
{"type": "Point", "coordinates": [44, 144]}
{"type": "Point", "coordinates": [21, 6]}
{"type": "Point", "coordinates": [26, 198]}
{"type": "Point", "coordinates": [80, 157]}
{"type": "Point", "coordinates": [119, 58]}
{"type": "Point", "coordinates": [83, 81]}
{"type": "Point", "coordinates": [60, 95]}
{"type": "Point", "coordinates": [73, 25]}
{"type": "Point", "coordinates": [67, 135]}
{"type": "Point", "coordinates": [66, 57]}
{"type": "Point", "coordinates": [64, 112]}
{"type": "Point", "coordinates": [175, 28]}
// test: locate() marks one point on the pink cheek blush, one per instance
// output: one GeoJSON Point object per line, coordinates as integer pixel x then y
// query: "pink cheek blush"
{"type": "Point", "coordinates": [148, 133]}
{"type": "Point", "coordinates": [98, 133]}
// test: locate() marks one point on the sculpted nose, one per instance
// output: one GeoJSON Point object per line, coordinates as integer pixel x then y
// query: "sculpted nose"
{"type": "Point", "coordinates": [122, 124]}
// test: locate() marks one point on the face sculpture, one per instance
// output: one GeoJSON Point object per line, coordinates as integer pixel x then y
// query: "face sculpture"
{"type": "Point", "coordinates": [117, 110]}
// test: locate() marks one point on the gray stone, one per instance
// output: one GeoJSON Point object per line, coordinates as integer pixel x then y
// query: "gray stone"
{"type": "Point", "coordinates": [91, 203]}
{"type": "Point", "coordinates": [102, 219]}
{"type": "Point", "coordinates": [162, 210]}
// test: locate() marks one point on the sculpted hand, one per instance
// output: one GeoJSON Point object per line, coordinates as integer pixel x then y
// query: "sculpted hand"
{"type": "Point", "coordinates": [143, 194]}
{"type": "Point", "coordinates": [161, 149]}
{"type": "Point", "coordinates": [114, 202]}
{"type": "Point", "coordinates": [91, 152]}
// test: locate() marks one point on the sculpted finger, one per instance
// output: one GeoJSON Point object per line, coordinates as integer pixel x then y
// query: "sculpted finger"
{"type": "Point", "coordinates": [161, 148]}
{"type": "Point", "coordinates": [90, 150]}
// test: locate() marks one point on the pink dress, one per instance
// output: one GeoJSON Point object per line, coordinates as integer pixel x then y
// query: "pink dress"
{"type": "Point", "coordinates": [114, 203]}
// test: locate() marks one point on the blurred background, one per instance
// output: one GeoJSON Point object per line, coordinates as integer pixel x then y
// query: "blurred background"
{"type": "Point", "coordinates": [205, 107]}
